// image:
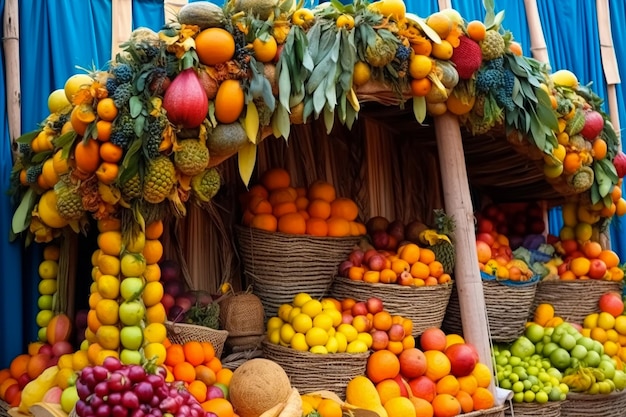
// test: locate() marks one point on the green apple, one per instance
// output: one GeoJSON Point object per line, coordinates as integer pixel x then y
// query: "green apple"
{"type": "Point", "coordinates": [567, 342]}
{"type": "Point", "coordinates": [518, 397]}
{"type": "Point", "coordinates": [607, 368]}
{"type": "Point", "coordinates": [130, 357]}
{"type": "Point", "coordinates": [534, 333]}
{"type": "Point", "coordinates": [592, 359]}
{"type": "Point", "coordinates": [560, 358]}
{"type": "Point", "coordinates": [619, 379]}
{"type": "Point", "coordinates": [597, 346]}
{"type": "Point", "coordinates": [579, 352]}
{"type": "Point", "coordinates": [585, 341]}
{"type": "Point", "coordinates": [69, 398]}
{"type": "Point", "coordinates": [131, 287]}
{"type": "Point", "coordinates": [131, 337]}
{"type": "Point", "coordinates": [549, 348]}
{"type": "Point", "coordinates": [131, 312]}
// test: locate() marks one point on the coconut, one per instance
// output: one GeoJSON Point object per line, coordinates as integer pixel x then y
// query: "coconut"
{"type": "Point", "coordinates": [258, 385]}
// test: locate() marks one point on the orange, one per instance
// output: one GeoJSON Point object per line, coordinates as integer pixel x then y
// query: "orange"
{"type": "Point", "coordinates": [437, 365]}
{"type": "Point", "coordinates": [421, 87]}
{"type": "Point", "coordinates": [426, 255]}
{"type": "Point", "coordinates": [273, 179]}
{"type": "Point", "coordinates": [84, 113]}
{"type": "Point", "coordinates": [483, 399]}
{"type": "Point", "coordinates": [194, 353]}
{"type": "Point", "coordinates": [284, 208]}
{"type": "Point", "coordinates": [265, 222]}
{"type": "Point", "coordinates": [420, 66]}
{"type": "Point", "coordinates": [282, 195]}
{"type": "Point", "coordinates": [264, 51]}
{"type": "Point", "coordinates": [382, 320]}
{"type": "Point", "coordinates": [599, 149]}
{"type": "Point", "coordinates": [302, 203]}
{"type": "Point", "coordinates": [448, 385]}
{"type": "Point", "coordinates": [400, 407]}
{"type": "Point", "coordinates": [468, 384]}
{"type": "Point", "coordinates": [344, 208]}
{"type": "Point", "coordinates": [103, 129]}
{"type": "Point", "coordinates": [229, 101]}
{"type": "Point", "coordinates": [215, 364]}
{"type": "Point", "coordinates": [422, 46]}
{"type": "Point", "coordinates": [338, 227]}
{"type": "Point", "coordinates": [329, 408]}
{"type": "Point", "coordinates": [106, 109]}
{"type": "Point", "coordinates": [423, 408]}
{"type": "Point", "coordinates": [219, 406]}
{"type": "Point", "coordinates": [466, 401]}
{"type": "Point", "coordinates": [152, 251]}
{"type": "Point", "coordinates": [198, 390]}
{"type": "Point", "coordinates": [4, 375]}
{"type": "Point", "coordinates": [389, 276]}
{"type": "Point", "coordinates": [436, 269]}
{"type": "Point", "coordinates": [107, 172]}
{"type": "Point", "coordinates": [616, 193]}
{"type": "Point", "coordinates": [319, 208]}
{"type": "Point", "coordinates": [322, 190]}
{"type": "Point", "coordinates": [5, 385]}
{"type": "Point", "coordinates": [292, 223]}
{"type": "Point", "coordinates": [259, 205]}
{"type": "Point", "coordinates": [154, 230]}
{"type": "Point", "coordinates": [156, 313]}
{"type": "Point", "coordinates": [87, 155]}
{"type": "Point", "coordinates": [482, 374]}
{"type": "Point", "coordinates": [184, 371]}
{"type": "Point", "coordinates": [446, 405]}
{"type": "Point", "coordinates": [174, 355]}
{"type": "Point", "coordinates": [388, 389]}
{"type": "Point", "coordinates": [224, 376]}
{"type": "Point", "coordinates": [361, 73]}
{"type": "Point", "coordinates": [572, 162]}
{"type": "Point", "coordinates": [591, 249]}
{"type": "Point", "coordinates": [399, 266]}
{"type": "Point", "coordinates": [620, 207]}
{"type": "Point", "coordinates": [476, 30]}
{"type": "Point", "coordinates": [316, 227]}
{"type": "Point", "coordinates": [420, 270]}
{"type": "Point", "coordinates": [382, 364]}
{"type": "Point", "coordinates": [610, 258]}
{"type": "Point", "coordinates": [214, 46]}
{"type": "Point", "coordinates": [110, 152]}
{"type": "Point", "coordinates": [580, 266]}
{"type": "Point", "coordinates": [19, 365]}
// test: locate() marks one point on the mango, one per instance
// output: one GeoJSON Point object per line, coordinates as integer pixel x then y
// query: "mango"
{"type": "Point", "coordinates": [361, 392]}
{"type": "Point", "coordinates": [36, 389]}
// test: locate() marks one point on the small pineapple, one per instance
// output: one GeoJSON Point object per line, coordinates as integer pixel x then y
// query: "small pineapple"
{"type": "Point", "coordinates": [159, 180]}
{"type": "Point", "coordinates": [206, 184]}
{"type": "Point", "coordinates": [440, 241]}
{"type": "Point", "coordinates": [493, 45]}
{"type": "Point", "coordinates": [131, 189]}
{"type": "Point", "coordinates": [192, 158]}
{"type": "Point", "coordinates": [69, 202]}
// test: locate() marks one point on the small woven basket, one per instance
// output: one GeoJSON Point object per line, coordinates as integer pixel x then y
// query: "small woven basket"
{"type": "Point", "coordinates": [281, 265]}
{"type": "Point", "coordinates": [4, 409]}
{"type": "Point", "coordinates": [573, 300]}
{"type": "Point", "coordinates": [596, 405]}
{"type": "Point", "coordinates": [243, 317]}
{"type": "Point", "coordinates": [425, 306]}
{"type": "Point", "coordinates": [310, 372]}
{"type": "Point", "coordinates": [508, 307]}
{"type": "Point", "coordinates": [497, 411]}
{"type": "Point", "coordinates": [549, 409]}
{"type": "Point", "coordinates": [181, 333]}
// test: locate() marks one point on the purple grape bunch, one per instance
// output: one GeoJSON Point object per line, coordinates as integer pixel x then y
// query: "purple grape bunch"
{"type": "Point", "coordinates": [116, 390]}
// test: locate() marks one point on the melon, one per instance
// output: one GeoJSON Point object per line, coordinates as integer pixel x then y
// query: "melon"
{"type": "Point", "coordinates": [262, 9]}
{"type": "Point", "coordinates": [224, 141]}
{"type": "Point", "coordinates": [203, 14]}
{"type": "Point", "coordinates": [258, 385]}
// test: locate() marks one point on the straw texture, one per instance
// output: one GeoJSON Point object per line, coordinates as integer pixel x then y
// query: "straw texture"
{"type": "Point", "coordinates": [281, 265]}
{"type": "Point", "coordinates": [425, 306]}
{"type": "Point", "coordinates": [549, 409]}
{"type": "Point", "coordinates": [491, 412]}
{"type": "Point", "coordinates": [311, 372]}
{"type": "Point", "coordinates": [596, 405]}
{"type": "Point", "coordinates": [508, 308]}
{"type": "Point", "coordinates": [573, 300]}
{"type": "Point", "coordinates": [4, 408]}
{"type": "Point", "coordinates": [181, 333]}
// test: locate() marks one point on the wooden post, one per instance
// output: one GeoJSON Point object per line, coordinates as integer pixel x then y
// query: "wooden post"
{"type": "Point", "coordinates": [458, 204]}
{"type": "Point", "coordinates": [11, 44]}
{"type": "Point", "coordinates": [122, 23]}
{"type": "Point", "coordinates": [537, 40]}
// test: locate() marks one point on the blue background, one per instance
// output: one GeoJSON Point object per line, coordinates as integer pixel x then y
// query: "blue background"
{"type": "Point", "coordinates": [57, 36]}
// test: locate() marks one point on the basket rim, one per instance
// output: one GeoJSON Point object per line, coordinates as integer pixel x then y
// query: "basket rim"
{"type": "Point", "coordinates": [267, 234]}
{"type": "Point", "coordinates": [592, 397]}
{"type": "Point", "coordinates": [173, 325]}
{"type": "Point", "coordinates": [272, 346]}
{"type": "Point", "coordinates": [395, 287]}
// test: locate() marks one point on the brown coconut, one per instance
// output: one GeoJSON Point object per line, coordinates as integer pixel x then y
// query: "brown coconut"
{"type": "Point", "coordinates": [258, 385]}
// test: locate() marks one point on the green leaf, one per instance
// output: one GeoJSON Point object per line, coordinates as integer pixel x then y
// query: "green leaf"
{"type": "Point", "coordinates": [594, 193]}
{"type": "Point", "coordinates": [135, 106]}
{"type": "Point", "coordinates": [610, 170]}
{"type": "Point", "coordinates": [489, 12]}
{"type": "Point", "coordinates": [91, 132]}
{"type": "Point", "coordinates": [27, 138]}
{"type": "Point", "coordinates": [341, 8]}
{"type": "Point", "coordinates": [280, 120]}
{"type": "Point", "coordinates": [140, 83]}
{"type": "Point", "coordinates": [351, 116]}
{"type": "Point", "coordinates": [133, 149]}
{"type": "Point", "coordinates": [246, 159]}
{"type": "Point", "coordinates": [537, 135]}
{"type": "Point", "coordinates": [139, 124]}
{"type": "Point", "coordinates": [419, 108]}
{"type": "Point", "coordinates": [329, 119]}
{"type": "Point", "coordinates": [22, 215]}
{"type": "Point", "coordinates": [41, 156]}
{"type": "Point", "coordinates": [497, 21]}
{"type": "Point", "coordinates": [284, 85]}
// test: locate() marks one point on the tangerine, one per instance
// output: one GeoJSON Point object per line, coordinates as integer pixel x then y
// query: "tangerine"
{"type": "Point", "coordinates": [265, 50]}
{"type": "Point", "coordinates": [322, 190]}
{"type": "Point", "coordinates": [482, 399]}
{"type": "Point", "coordinates": [476, 30]}
{"type": "Point", "coordinates": [316, 227]}
{"type": "Point", "coordinates": [338, 227]}
{"type": "Point", "coordinates": [272, 179]}
{"type": "Point", "coordinates": [382, 364]}
{"type": "Point", "coordinates": [292, 223]}
{"type": "Point", "coordinates": [229, 101]}
{"type": "Point", "coordinates": [344, 208]}
{"type": "Point", "coordinates": [446, 405]}
{"type": "Point", "coordinates": [437, 365]}
{"type": "Point", "coordinates": [87, 155]}
{"type": "Point", "coordinates": [214, 46]}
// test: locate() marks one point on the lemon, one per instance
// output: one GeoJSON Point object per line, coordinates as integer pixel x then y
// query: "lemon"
{"type": "Point", "coordinates": [155, 350]}
{"type": "Point", "coordinates": [48, 269]}
{"type": "Point", "coordinates": [319, 350]}
{"type": "Point", "coordinates": [108, 286]}
{"type": "Point", "coordinates": [620, 324]}
{"type": "Point", "coordinates": [324, 321]}
{"type": "Point", "coordinates": [293, 313]}
{"type": "Point", "coordinates": [316, 336]}
{"type": "Point", "coordinates": [300, 299]}
{"type": "Point", "coordinates": [75, 83]}
{"type": "Point", "coordinates": [155, 333]}
{"type": "Point", "coordinates": [342, 342]}
{"type": "Point", "coordinates": [274, 336]}
{"type": "Point", "coordinates": [273, 324]}
{"type": "Point", "coordinates": [44, 302]}
{"type": "Point", "coordinates": [611, 334]}
{"type": "Point", "coordinates": [57, 101]}
{"type": "Point", "coordinates": [137, 243]}
{"type": "Point", "coordinates": [332, 345]}
{"type": "Point", "coordinates": [565, 77]}
{"type": "Point", "coordinates": [302, 323]}
{"type": "Point", "coordinates": [283, 311]}
{"type": "Point", "coordinates": [365, 338]}
{"type": "Point", "coordinates": [348, 331]}
{"type": "Point", "coordinates": [356, 346]}
{"type": "Point", "coordinates": [312, 308]}
{"type": "Point", "coordinates": [335, 315]}
{"type": "Point", "coordinates": [606, 321]}
{"type": "Point", "coordinates": [47, 286]}
{"type": "Point", "coordinates": [286, 333]}
{"type": "Point", "coordinates": [298, 342]}
{"type": "Point", "coordinates": [133, 265]}
{"type": "Point", "coordinates": [44, 317]}
{"type": "Point", "coordinates": [108, 264]}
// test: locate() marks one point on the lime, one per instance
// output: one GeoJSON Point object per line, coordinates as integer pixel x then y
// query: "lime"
{"type": "Point", "coordinates": [506, 384]}
{"type": "Point", "coordinates": [541, 397]}
{"type": "Point", "coordinates": [555, 394]}
{"type": "Point", "coordinates": [529, 397]}
{"type": "Point", "coordinates": [514, 361]}
{"type": "Point", "coordinates": [518, 386]}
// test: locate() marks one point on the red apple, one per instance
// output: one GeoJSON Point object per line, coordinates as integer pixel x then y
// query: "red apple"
{"type": "Point", "coordinates": [403, 384]}
{"type": "Point", "coordinates": [23, 380]}
{"type": "Point", "coordinates": [368, 254]}
{"type": "Point", "coordinates": [61, 348]}
{"type": "Point", "coordinates": [597, 269]}
{"type": "Point", "coordinates": [376, 262]}
{"type": "Point", "coordinates": [214, 392]}
{"type": "Point", "coordinates": [344, 267]}
{"type": "Point", "coordinates": [380, 339]}
{"type": "Point", "coordinates": [359, 309]}
{"type": "Point", "coordinates": [612, 303]}
{"type": "Point", "coordinates": [396, 332]}
{"type": "Point", "coordinates": [412, 363]}
{"type": "Point", "coordinates": [563, 267]}
{"type": "Point", "coordinates": [52, 361]}
{"type": "Point", "coordinates": [45, 349]}
{"type": "Point", "coordinates": [485, 226]}
{"type": "Point", "coordinates": [423, 387]}
{"type": "Point", "coordinates": [374, 305]}
{"type": "Point", "coordinates": [168, 301]}
{"type": "Point", "coordinates": [486, 237]}
{"type": "Point", "coordinates": [462, 359]}
{"type": "Point", "coordinates": [356, 257]}
{"type": "Point", "coordinates": [405, 278]}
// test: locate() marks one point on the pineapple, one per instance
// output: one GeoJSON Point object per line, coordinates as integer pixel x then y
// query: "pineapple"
{"type": "Point", "coordinates": [440, 240]}
{"type": "Point", "coordinates": [131, 189]}
{"type": "Point", "coordinates": [192, 157]}
{"type": "Point", "coordinates": [159, 180]}
{"type": "Point", "coordinates": [69, 202]}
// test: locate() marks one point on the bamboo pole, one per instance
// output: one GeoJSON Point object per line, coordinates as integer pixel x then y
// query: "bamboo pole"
{"type": "Point", "coordinates": [537, 40]}
{"type": "Point", "coordinates": [11, 45]}
{"type": "Point", "coordinates": [122, 23]}
{"type": "Point", "coordinates": [458, 204]}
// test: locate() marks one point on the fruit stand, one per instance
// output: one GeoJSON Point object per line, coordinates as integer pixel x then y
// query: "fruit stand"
{"type": "Point", "coordinates": [338, 270]}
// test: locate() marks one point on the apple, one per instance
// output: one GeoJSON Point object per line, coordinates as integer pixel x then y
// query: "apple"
{"type": "Point", "coordinates": [131, 337]}
{"type": "Point", "coordinates": [393, 243]}
{"type": "Point", "coordinates": [396, 332]}
{"type": "Point", "coordinates": [374, 305]}
{"type": "Point", "coordinates": [485, 226]}
{"type": "Point", "coordinates": [168, 301]}
{"type": "Point", "coordinates": [405, 278]}
{"type": "Point", "coordinates": [131, 312]}
{"type": "Point", "coordinates": [376, 223]}
{"type": "Point", "coordinates": [223, 387]}
{"type": "Point", "coordinates": [359, 309]}
{"type": "Point", "coordinates": [380, 239]}
{"type": "Point", "coordinates": [611, 302]}
{"type": "Point", "coordinates": [423, 387]}
{"type": "Point", "coordinates": [486, 237]}
{"type": "Point", "coordinates": [412, 363]}
{"type": "Point", "coordinates": [344, 267]}
{"type": "Point", "coordinates": [214, 392]}
{"type": "Point", "coordinates": [403, 384]}
{"type": "Point", "coordinates": [597, 269]}
{"type": "Point", "coordinates": [491, 210]}
{"type": "Point", "coordinates": [173, 287]}
{"type": "Point", "coordinates": [23, 380]}
{"type": "Point", "coordinates": [368, 254]}
{"type": "Point", "coordinates": [45, 349]}
{"type": "Point", "coordinates": [61, 348]}
{"type": "Point", "coordinates": [356, 257]}
{"type": "Point", "coordinates": [52, 361]}
{"type": "Point", "coordinates": [396, 229]}
{"type": "Point", "coordinates": [380, 339]}
{"type": "Point", "coordinates": [376, 262]}
{"type": "Point", "coordinates": [462, 359]}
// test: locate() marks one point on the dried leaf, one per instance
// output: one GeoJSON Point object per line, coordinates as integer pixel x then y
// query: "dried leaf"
{"type": "Point", "coordinates": [419, 108]}
{"type": "Point", "coordinates": [247, 159]}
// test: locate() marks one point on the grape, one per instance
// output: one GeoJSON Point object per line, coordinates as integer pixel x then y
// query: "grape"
{"type": "Point", "coordinates": [111, 363]}
{"type": "Point", "coordinates": [103, 411]}
{"type": "Point", "coordinates": [183, 411]}
{"type": "Point", "coordinates": [136, 373]}
{"type": "Point", "coordinates": [101, 389]}
{"type": "Point", "coordinates": [138, 413]}
{"type": "Point", "coordinates": [155, 401]}
{"type": "Point", "coordinates": [100, 373]}
{"type": "Point", "coordinates": [83, 390]}
{"type": "Point", "coordinates": [156, 412]}
{"type": "Point", "coordinates": [119, 411]}
{"type": "Point", "coordinates": [118, 382]}
{"type": "Point", "coordinates": [114, 398]}
{"type": "Point", "coordinates": [169, 405]}
{"type": "Point", "coordinates": [130, 400]}
{"type": "Point", "coordinates": [155, 380]}
{"type": "Point", "coordinates": [144, 391]}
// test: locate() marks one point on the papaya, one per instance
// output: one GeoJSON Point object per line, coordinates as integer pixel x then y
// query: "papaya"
{"type": "Point", "coordinates": [35, 390]}
{"type": "Point", "coordinates": [59, 329]}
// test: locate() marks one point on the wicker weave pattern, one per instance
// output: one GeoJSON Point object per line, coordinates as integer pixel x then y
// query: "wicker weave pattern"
{"type": "Point", "coordinates": [425, 306]}
{"type": "Point", "coordinates": [4, 408]}
{"type": "Point", "coordinates": [549, 409]}
{"type": "Point", "coordinates": [280, 265]}
{"type": "Point", "coordinates": [181, 333]}
{"type": "Point", "coordinates": [574, 300]}
{"type": "Point", "coordinates": [311, 372]}
{"type": "Point", "coordinates": [597, 405]}
{"type": "Point", "coordinates": [508, 308]}
{"type": "Point", "coordinates": [491, 412]}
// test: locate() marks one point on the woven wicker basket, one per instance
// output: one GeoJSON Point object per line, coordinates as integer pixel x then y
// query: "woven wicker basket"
{"type": "Point", "coordinates": [425, 306]}
{"type": "Point", "coordinates": [574, 300]}
{"type": "Point", "coordinates": [4, 409]}
{"type": "Point", "coordinates": [281, 265]}
{"type": "Point", "coordinates": [549, 409]}
{"type": "Point", "coordinates": [596, 405]}
{"type": "Point", "coordinates": [311, 372]}
{"type": "Point", "coordinates": [181, 332]}
{"type": "Point", "coordinates": [507, 308]}
{"type": "Point", "coordinates": [497, 411]}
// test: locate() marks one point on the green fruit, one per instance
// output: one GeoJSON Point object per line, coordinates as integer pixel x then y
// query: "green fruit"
{"type": "Point", "coordinates": [541, 397]}
{"type": "Point", "coordinates": [518, 387]}
{"type": "Point", "coordinates": [131, 287]}
{"type": "Point", "coordinates": [592, 359]}
{"type": "Point", "coordinates": [522, 347]}
{"type": "Point", "coordinates": [607, 368]}
{"type": "Point", "coordinates": [579, 352]}
{"type": "Point", "coordinates": [529, 397]}
{"type": "Point", "coordinates": [619, 379]}
{"type": "Point", "coordinates": [597, 346]}
{"type": "Point", "coordinates": [567, 342]}
{"type": "Point", "coordinates": [555, 394]}
{"type": "Point", "coordinates": [560, 358]}
{"type": "Point", "coordinates": [518, 397]}
{"type": "Point", "coordinates": [587, 342]}
{"type": "Point", "coordinates": [131, 337]}
{"type": "Point", "coordinates": [534, 333]}
{"type": "Point", "coordinates": [42, 334]}
{"type": "Point", "coordinates": [44, 302]}
{"type": "Point", "coordinates": [131, 313]}
{"type": "Point", "coordinates": [549, 348]}
{"type": "Point", "coordinates": [130, 357]}
{"type": "Point", "coordinates": [69, 398]}
{"type": "Point", "coordinates": [44, 317]}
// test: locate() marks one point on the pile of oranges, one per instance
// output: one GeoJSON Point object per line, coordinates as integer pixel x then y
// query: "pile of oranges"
{"type": "Point", "coordinates": [587, 261]}
{"type": "Point", "coordinates": [275, 205]}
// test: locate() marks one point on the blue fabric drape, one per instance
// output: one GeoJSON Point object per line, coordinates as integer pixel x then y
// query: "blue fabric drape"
{"type": "Point", "coordinates": [150, 13]}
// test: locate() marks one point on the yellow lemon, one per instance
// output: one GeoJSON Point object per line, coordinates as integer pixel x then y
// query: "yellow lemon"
{"type": "Point", "coordinates": [606, 321]}
{"type": "Point", "coordinates": [316, 336]}
{"type": "Point", "coordinates": [300, 299]}
{"type": "Point", "coordinates": [155, 350]}
{"type": "Point", "coordinates": [620, 324]}
{"type": "Point", "coordinates": [332, 345]}
{"type": "Point", "coordinates": [357, 346]}
{"type": "Point", "coordinates": [348, 331]}
{"type": "Point", "coordinates": [283, 311]}
{"type": "Point", "coordinates": [137, 243]}
{"type": "Point", "coordinates": [133, 265]}
{"type": "Point", "coordinates": [155, 333]}
{"type": "Point", "coordinates": [324, 321]}
{"type": "Point", "coordinates": [44, 317]}
{"type": "Point", "coordinates": [80, 359]}
{"type": "Point", "coordinates": [342, 342]}
{"type": "Point", "coordinates": [565, 77]}
{"type": "Point", "coordinates": [298, 342]}
{"type": "Point", "coordinates": [109, 286]}
{"type": "Point", "coordinates": [57, 101]}
{"type": "Point", "coordinates": [286, 333]}
{"type": "Point", "coordinates": [48, 269]}
{"type": "Point", "coordinates": [365, 338]}
{"type": "Point", "coordinates": [274, 323]}
{"type": "Point", "coordinates": [312, 308]}
{"type": "Point", "coordinates": [302, 323]}
{"type": "Point", "coordinates": [47, 286]}
{"type": "Point", "coordinates": [293, 313]}
{"type": "Point", "coordinates": [274, 336]}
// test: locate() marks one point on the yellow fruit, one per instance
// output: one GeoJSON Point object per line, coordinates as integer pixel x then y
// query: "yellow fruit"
{"type": "Point", "coordinates": [137, 243]}
{"type": "Point", "coordinates": [565, 77]}
{"type": "Point", "coordinates": [606, 321]}
{"type": "Point", "coordinates": [298, 342]}
{"type": "Point", "coordinates": [48, 269]}
{"type": "Point", "coordinates": [109, 286]}
{"type": "Point", "coordinates": [300, 299]}
{"type": "Point", "coordinates": [57, 100]}
{"type": "Point", "coordinates": [316, 337]}
{"type": "Point", "coordinates": [47, 286]}
{"type": "Point", "coordinates": [133, 265]}
{"type": "Point", "coordinates": [312, 308]}
{"type": "Point", "coordinates": [155, 333]}
{"type": "Point", "coordinates": [48, 212]}
{"type": "Point", "coordinates": [109, 265]}
{"type": "Point", "coordinates": [75, 83]}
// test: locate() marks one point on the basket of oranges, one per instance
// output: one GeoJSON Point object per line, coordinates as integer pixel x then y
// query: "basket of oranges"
{"type": "Point", "coordinates": [180, 333]}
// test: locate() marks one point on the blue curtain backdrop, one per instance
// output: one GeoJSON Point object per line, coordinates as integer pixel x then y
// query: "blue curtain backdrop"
{"type": "Point", "coordinates": [57, 36]}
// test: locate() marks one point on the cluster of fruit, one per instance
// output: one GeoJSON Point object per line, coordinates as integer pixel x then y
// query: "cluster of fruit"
{"type": "Point", "coordinates": [333, 326]}
{"type": "Point", "coordinates": [443, 377]}
{"type": "Point", "coordinates": [324, 407]}
{"type": "Point", "coordinates": [410, 266]}
{"type": "Point", "coordinates": [581, 219]}
{"type": "Point", "coordinates": [495, 256]}
{"type": "Point", "coordinates": [608, 327]}
{"type": "Point", "coordinates": [126, 317]}
{"type": "Point", "coordinates": [48, 272]}
{"type": "Point", "coordinates": [586, 260]}
{"type": "Point", "coordinates": [275, 205]}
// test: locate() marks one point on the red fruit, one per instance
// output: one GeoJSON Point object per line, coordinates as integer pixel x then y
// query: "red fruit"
{"type": "Point", "coordinates": [405, 278]}
{"type": "Point", "coordinates": [486, 237]}
{"type": "Point", "coordinates": [594, 123]}
{"type": "Point", "coordinates": [597, 269]}
{"type": "Point", "coordinates": [620, 164]}
{"type": "Point", "coordinates": [59, 328]}
{"type": "Point", "coordinates": [433, 338]}
{"type": "Point", "coordinates": [376, 262]}
{"type": "Point", "coordinates": [185, 101]}
{"type": "Point", "coordinates": [380, 339]}
{"type": "Point", "coordinates": [356, 257]}
{"type": "Point", "coordinates": [403, 384]}
{"type": "Point", "coordinates": [485, 226]}
{"type": "Point", "coordinates": [347, 317]}
{"type": "Point", "coordinates": [170, 270]}
{"type": "Point", "coordinates": [23, 380]}
{"type": "Point", "coordinates": [368, 254]}
{"type": "Point", "coordinates": [412, 363]}
{"type": "Point", "coordinates": [359, 309]}
{"type": "Point", "coordinates": [467, 57]}
{"type": "Point", "coordinates": [611, 302]}
{"type": "Point", "coordinates": [396, 332]}
{"type": "Point", "coordinates": [374, 305]}
{"type": "Point", "coordinates": [423, 387]}
{"type": "Point", "coordinates": [380, 239]}
{"type": "Point", "coordinates": [61, 348]}
{"type": "Point", "coordinates": [462, 359]}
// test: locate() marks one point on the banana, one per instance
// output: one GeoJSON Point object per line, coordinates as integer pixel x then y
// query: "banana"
{"type": "Point", "coordinates": [598, 374]}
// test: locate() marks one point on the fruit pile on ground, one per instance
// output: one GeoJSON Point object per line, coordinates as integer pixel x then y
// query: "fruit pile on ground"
{"type": "Point", "coordinates": [338, 326]}
{"type": "Point", "coordinates": [275, 205]}
{"type": "Point", "coordinates": [442, 377]}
